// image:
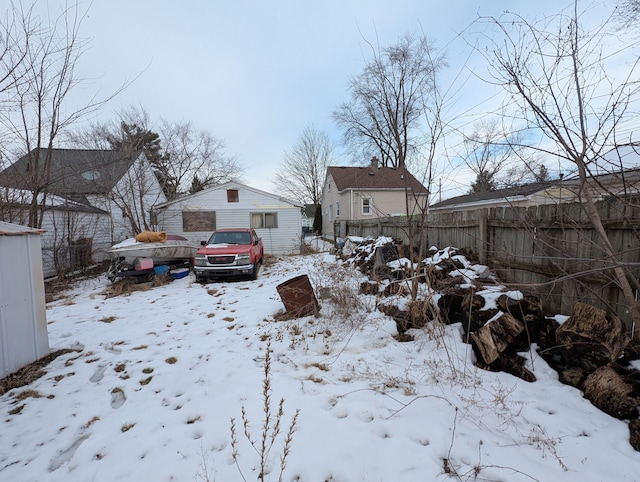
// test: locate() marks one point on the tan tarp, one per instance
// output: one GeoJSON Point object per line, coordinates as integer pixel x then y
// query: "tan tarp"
{"type": "Point", "coordinates": [151, 237]}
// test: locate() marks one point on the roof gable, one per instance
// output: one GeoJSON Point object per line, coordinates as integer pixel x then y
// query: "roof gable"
{"type": "Point", "coordinates": [74, 173]}
{"type": "Point", "coordinates": [225, 186]}
{"type": "Point", "coordinates": [374, 178]}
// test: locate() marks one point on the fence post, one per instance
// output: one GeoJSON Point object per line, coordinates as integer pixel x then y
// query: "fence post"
{"type": "Point", "coordinates": [483, 236]}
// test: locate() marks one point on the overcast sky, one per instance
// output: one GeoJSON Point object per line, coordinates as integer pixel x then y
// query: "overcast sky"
{"type": "Point", "coordinates": [255, 73]}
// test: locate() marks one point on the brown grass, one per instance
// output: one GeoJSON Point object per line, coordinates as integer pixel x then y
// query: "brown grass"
{"type": "Point", "coordinates": [126, 286]}
{"type": "Point", "coordinates": [31, 372]}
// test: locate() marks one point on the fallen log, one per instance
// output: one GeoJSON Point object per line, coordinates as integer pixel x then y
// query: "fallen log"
{"type": "Point", "coordinates": [495, 337]}
{"type": "Point", "coordinates": [608, 391]}
{"type": "Point", "coordinates": [514, 364]}
{"type": "Point", "coordinates": [591, 338]}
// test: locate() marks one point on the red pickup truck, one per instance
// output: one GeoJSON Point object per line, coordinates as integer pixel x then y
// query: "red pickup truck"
{"type": "Point", "coordinates": [229, 252]}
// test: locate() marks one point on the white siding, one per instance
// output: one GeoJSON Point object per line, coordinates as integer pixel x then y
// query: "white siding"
{"type": "Point", "coordinates": [23, 323]}
{"type": "Point", "coordinates": [285, 239]}
{"type": "Point", "coordinates": [64, 225]}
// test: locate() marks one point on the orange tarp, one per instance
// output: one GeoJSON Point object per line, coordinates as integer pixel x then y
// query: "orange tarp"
{"type": "Point", "coordinates": [152, 237]}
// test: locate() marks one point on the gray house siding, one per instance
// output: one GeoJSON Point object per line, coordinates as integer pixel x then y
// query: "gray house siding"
{"type": "Point", "coordinates": [63, 226]}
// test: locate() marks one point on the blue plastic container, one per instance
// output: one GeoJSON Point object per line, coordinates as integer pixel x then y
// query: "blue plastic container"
{"type": "Point", "coordinates": [160, 270]}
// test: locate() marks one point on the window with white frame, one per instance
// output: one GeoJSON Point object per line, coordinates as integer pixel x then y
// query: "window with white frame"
{"type": "Point", "coordinates": [337, 210]}
{"type": "Point", "coordinates": [366, 206]}
{"type": "Point", "coordinates": [264, 220]}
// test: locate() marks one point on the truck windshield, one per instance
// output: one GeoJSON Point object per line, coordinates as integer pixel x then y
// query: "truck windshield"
{"type": "Point", "coordinates": [230, 238]}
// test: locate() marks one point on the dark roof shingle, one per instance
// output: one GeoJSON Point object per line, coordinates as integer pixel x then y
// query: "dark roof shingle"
{"type": "Point", "coordinates": [74, 173]}
{"type": "Point", "coordinates": [524, 190]}
{"type": "Point", "coordinates": [368, 178]}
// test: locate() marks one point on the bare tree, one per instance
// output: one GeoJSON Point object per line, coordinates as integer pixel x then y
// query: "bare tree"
{"type": "Point", "coordinates": [194, 159]}
{"type": "Point", "coordinates": [497, 157]}
{"type": "Point", "coordinates": [435, 125]}
{"type": "Point", "coordinates": [142, 185]}
{"type": "Point", "coordinates": [562, 83]}
{"type": "Point", "coordinates": [16, 29]}
{"type": "Point", "coordinates": [39, 70]}
{"type": "Point", "coordinates": [301, 174]}
{"type": "Point", "coordinates": [628, 13]}
{"type": "Point", "coordinates": [388, 100]}
{"type": "Point", "coordinates": [136, 193]}
{"type": "Point", "coordinates": [184, 159]}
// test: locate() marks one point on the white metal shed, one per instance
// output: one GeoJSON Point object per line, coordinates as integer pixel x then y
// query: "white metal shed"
{"type": "Point", "coordinates": [23, 322]}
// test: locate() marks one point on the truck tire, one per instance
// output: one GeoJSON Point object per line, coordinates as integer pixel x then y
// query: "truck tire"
{"type": "Point", "coordinates": [254, 272]}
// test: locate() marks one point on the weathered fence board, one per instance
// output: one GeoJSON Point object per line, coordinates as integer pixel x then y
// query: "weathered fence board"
{"type": "Point", "coordinates": [549, 250]}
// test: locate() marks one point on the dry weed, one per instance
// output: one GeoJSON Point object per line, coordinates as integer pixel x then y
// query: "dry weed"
{"type": "Point", "coordinates": [127, 426]}
{"type": "Point", "coordinates": [270, 431]}
{"type": "Point", "coordinates": [31, 372]}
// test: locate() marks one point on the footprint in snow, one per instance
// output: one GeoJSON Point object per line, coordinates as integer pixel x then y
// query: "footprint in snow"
{"type": "Point", "coordinates": [117, 398]}
{"type": "Point", "coordinates": [65, 455]}
{"type": "Point", "coordinates": [98, 374]}
{"type": "Point", "coordinates": [366, 417]}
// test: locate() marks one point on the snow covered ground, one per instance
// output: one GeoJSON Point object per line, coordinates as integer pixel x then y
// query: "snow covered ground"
{"type": "Point", "coordinates": [160, 374]}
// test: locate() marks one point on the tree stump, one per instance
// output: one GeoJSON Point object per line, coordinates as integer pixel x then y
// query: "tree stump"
{"type": "Point", "coordinates": [450, 305]}
{"type": "Point", "coordinates": [495, 337]}
{"type": "Point", "coordinates": [528, 309]}
{"type": "Point", "coordinates": [608, 391]}
{"type": "Point", "coordinates": [477, 319]}
{"type": "Point", "coordinates": [590, 338]}
{"type": "Point", "coordinates": [514, 364]}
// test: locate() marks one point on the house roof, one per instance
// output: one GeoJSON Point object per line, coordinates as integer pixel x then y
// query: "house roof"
{"type": "Point", "coordinates": [619, 166]}
{"type": "Point", "coordinates": [21, 198]}
{"type": "Point", "coordinates": [226, 185]}
{"type": "Point", "coordinates": [75, 173]}
{"type": "Point", "coordinates": [506, 193]}
{"type": "Point", "coordinates": [10, 229]}
{"type": "Point", "coordinates": [370, 178]}
{"type": "Point", "coordinates": [309, 210]}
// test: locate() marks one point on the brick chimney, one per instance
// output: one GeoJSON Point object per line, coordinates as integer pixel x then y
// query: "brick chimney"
{"type": "Point", "coordinates": [374, 163]}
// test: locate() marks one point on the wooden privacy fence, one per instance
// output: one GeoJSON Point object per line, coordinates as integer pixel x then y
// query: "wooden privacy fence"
{"type": "Point", "coordinates": [551, 251]}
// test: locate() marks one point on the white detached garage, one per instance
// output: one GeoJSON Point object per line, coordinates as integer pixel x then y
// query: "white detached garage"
{"type": "Point", "coordinates": [277, 221]}
{"type": "Point", "coordinates": [23, 322]}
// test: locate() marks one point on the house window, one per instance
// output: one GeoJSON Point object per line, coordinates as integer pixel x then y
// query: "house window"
{"type": "Point", "coordinates": [232, 196]}
{"type": "Point", "coordinates": [366, 206]}
{"type": "Point", "coordinates": [264, 220]}
{"type": "Point", "coordinates": [337, 210]}
{"type": "Point", "coordinates": [329, 185]}
{"type": "Point", "coordinates": [331, 212]}
{"type": "Point", "coordinates": [198, 221]}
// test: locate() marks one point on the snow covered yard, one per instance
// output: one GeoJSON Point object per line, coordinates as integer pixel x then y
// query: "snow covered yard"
{"type": "Point", "coordinates": [159, 374]}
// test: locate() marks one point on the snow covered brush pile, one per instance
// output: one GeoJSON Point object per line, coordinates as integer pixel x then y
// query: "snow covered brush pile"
{"type": "Point", "coordinates": [585, 348]}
